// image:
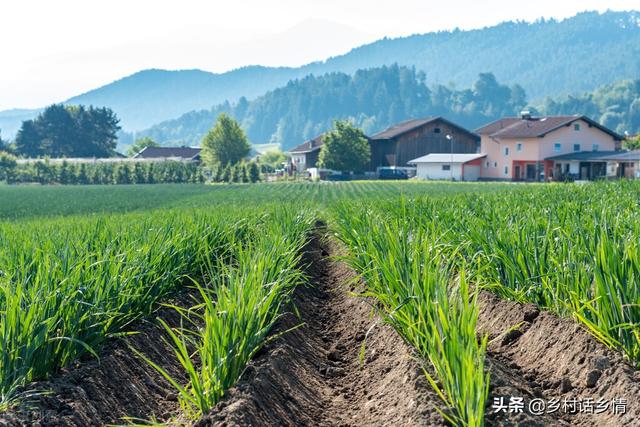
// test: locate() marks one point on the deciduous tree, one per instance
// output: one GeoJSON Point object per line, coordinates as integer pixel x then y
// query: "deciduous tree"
{"type": "Point", "coordinates": [345, 149]}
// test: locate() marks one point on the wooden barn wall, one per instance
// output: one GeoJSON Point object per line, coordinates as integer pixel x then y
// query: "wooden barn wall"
{"type": "Point", "coordinates": [421, 142]}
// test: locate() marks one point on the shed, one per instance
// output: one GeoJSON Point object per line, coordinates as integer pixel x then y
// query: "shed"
{"type": "Point", "coordinates": [458, 167]}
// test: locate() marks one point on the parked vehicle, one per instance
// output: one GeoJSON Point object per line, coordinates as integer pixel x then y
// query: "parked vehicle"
{"type": "Point", "coordinates": [392, 174]}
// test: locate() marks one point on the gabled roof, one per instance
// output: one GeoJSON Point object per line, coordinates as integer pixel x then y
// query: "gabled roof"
{"type": "Point", "coordinates": [536, 127]}
{"type": "Point", "coordinates": [167, 152]}
{"type": "Point", "coordinates": [309, 146]}
{"type": "Point", "coordinates": [447, 158]}
{"type": "Point", "coordinates": [409, 125]}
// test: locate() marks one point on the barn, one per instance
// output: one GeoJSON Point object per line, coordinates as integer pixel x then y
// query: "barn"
{"type": "Point", "coordinates": [397, 145]}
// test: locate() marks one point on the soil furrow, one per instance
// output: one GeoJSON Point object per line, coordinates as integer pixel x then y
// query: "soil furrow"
{"type": "Point", "coordinates": [94, 392]}
{"type": "Point", "coordinates": [543, 356]}
{"type": "Point", "coordinates": [314, 375]}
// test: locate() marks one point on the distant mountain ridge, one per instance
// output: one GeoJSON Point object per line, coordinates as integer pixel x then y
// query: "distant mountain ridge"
{"type": "Point", "coordinates": [547, 57]}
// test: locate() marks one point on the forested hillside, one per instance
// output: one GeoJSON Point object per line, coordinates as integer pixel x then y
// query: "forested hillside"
{"type": "Point", "coordinates": [547, 58]}
{"type": "Point", "coordinates": [376, 98]}
{"type": "Point", "coordinates": [616, 106]}
{"type": "Point", "coordinates": [373, 99]}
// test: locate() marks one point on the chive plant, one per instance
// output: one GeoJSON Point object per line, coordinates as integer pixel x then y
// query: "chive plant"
{"type": "Point", "coordinates": [427, 300]}
{"type": "Point", "coordinates": [240, 307]}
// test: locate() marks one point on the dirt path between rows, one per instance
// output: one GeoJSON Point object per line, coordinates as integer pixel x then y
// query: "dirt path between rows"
{"type": "Point", "coordinates": [551, 358]}
{"type": "Point", "coordinates": [313, 376]}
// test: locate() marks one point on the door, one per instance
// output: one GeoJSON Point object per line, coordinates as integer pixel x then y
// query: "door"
{"type": "Point", "coordinates": [516, 173]}
{"type": "Point", "coordinates": [531, 172]}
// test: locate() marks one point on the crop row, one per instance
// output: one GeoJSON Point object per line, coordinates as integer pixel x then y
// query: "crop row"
{"type": "Point", "coordinates": [569, 249]}
{"type": "Point", "coordinates": [68, 285]}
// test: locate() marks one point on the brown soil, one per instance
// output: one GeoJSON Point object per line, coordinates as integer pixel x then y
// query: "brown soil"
{"type": "Point", "coordinates": [549, 357]}
{"type": "Point", "coordinates": [314, 375]}
{"type": "Point", "coordinates": [96, 392]}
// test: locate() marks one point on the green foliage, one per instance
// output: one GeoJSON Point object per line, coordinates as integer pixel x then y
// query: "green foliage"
{"type": "Point", "coordinates": [345, 148]}
{"type": "Point", "coordinates": [254, 172]}
{"type": "Point", "coordinates": [273, 159]}
{"type": "Point", "coordinates": [616, 106]}
{"type": "Point", "coordinates": [69, 131]}
{"type": "Point", "coordinates": [45, 172]}
{"type": "Point", "coordinates": [8, 165]}
{"type": "Point", "coordinates": [632, 143]}
{"type": "Point", "coordinates": [424, 299]}
{"type": "Point", "coordinates": [372, 99]}
{"type": "Point", "coordinates": [226, 174]}
{"type": "Point", "coordinates": [236, 173]}
{"type": "Point", "coordinates": [241, 307]}
{"type": "Point", "coordinates": [141, 144]}
{"type": "Point", "coordinates": [226, 143]}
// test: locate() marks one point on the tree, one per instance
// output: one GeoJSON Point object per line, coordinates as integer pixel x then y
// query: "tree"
{"type": "Point", "coordinates": [5, 146]}
{"type": "Point", "coordinates": [254, 172]}
{"type": "Point", "coordinates": [226, 143]}
{"type": "Point", "coordinates": [632, 143]}
{"type": "Point", "coordinates": [236, 173]}
{"type": "Point", "coordinates": [226, 174]}
{"type": "Point", "coordinates": [244, 173]}
{"type": "Point", "coordinates": [69, 131]}
{"type": "Point", "coordinates": [273, 159]}
{"type": "Point", "coordinates": [8, 165]}
{"type": "Point", "coordinates": [345, 149]}
{"type": "Point", "coordinates": [140, 145]}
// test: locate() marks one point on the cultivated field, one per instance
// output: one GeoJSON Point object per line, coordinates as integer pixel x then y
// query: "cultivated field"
{"type": "Point", "coordinates": [363, 303]}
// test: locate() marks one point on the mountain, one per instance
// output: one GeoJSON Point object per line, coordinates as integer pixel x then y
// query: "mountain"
{"type": "Point", "coordinates": [546, 57]}
{"type": "Point", "coordinates": [373, 99]}
{"type": "Point", "coordinates": [376, 98]}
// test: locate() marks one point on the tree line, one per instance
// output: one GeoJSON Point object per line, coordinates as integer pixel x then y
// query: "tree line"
{"type": "Point", "coordinates": [66, 173]}
{"type": "Point", "coordinates": [376, 98]}
{"type": "Point", "coordinates": [371, 99]}
{"type": "Point", "coordinates": [68, 131]}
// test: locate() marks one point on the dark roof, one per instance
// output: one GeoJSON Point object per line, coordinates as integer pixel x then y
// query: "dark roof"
{"type": "Point", "coordinates": [309, 146]}
{"type": "Point", "coordinates": [584, 156]}
{"type": "Point", "coordinates": [165, 152]}
{"type": "Point", "coordinates": [409, 125]}
{"type": "Point", "coordinates": [625, 156]}
{"type": "Point", "coordinates": [516, 127]}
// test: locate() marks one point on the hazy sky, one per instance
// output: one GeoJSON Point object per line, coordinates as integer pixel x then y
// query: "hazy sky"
{"type": "Point", "coordinates": [52, 50]}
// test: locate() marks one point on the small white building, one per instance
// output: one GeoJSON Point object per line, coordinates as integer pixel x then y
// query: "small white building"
{"type": "Point", "coordinates": [457, 167]}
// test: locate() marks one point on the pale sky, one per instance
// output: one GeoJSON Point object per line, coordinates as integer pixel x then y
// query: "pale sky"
{"type": "Point", "coordinates": [53, 50]}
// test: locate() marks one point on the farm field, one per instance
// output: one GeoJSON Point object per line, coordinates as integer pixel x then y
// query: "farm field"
{"type": "Point", "coordinates": [355, 303]}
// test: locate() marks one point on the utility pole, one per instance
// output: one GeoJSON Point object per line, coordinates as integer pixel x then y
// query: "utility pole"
{"type": "Point", "coordinates": [450, 138]}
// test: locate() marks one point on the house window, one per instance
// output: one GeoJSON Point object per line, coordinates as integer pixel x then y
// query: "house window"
{"type": "Point", "coordinates": [576, 147]}
{"type": "Point", "coordinates": [446, 167]}
{"type": "Point", "coordinates": [519, 146]}
{"type": "Point", "coordinates": [506, 151]}
{"type": "Point", "coordinates": [495, 164]}
{"type": "Point", "coordinates": [487, 165]}
{"type": "Point", "coordinates": [595, 147]}
{"type": "Point", "coordinates": [506, 170]}
{"type": "Point", "coordinates": [576, 127]}
{"type": "Point", "coordinates": [557, 147]}
{"type": "Point", "coordinates": [436, 130]}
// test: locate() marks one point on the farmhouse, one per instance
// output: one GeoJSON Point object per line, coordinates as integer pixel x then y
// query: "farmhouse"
{"type": "Point", "coordinates": [528, 148]}
{"type": "Point", "coordinates": [409, 140]}
{"type": "Point", "coordinates": [305, 155]}
{"type": "Point", "coordinates": [183, 154]}
{"type": "Point", "coordinates": [456, 167]}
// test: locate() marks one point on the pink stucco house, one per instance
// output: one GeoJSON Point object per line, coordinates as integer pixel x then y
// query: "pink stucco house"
{"type": "Point", "coordinates": [528, 148]}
